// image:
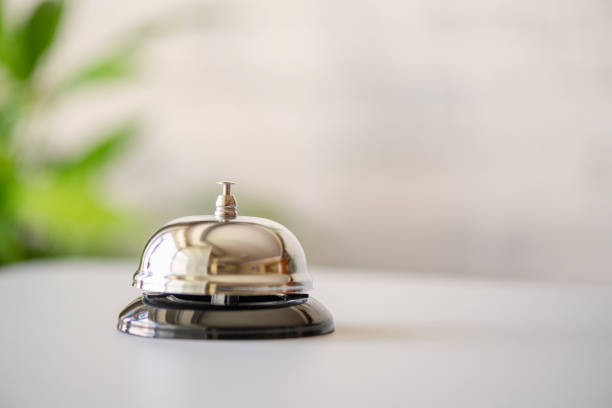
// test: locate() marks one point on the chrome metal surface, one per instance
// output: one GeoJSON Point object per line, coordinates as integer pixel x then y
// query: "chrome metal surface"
{"type": "Point", "coordinates": [223, 254]}
{"type": "Point", "coordinates": [165, 317]}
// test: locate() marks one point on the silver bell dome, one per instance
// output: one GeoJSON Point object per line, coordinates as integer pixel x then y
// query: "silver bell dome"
{"type": "Point", "coordinates": [223, 254]}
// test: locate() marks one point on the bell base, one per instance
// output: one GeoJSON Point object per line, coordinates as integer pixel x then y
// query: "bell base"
{"type": "Point", "coordinates": [148, 316]}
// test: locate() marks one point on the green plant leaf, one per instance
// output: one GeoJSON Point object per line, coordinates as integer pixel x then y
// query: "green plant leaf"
{"type": "Point", "coordinates": [11, 244]}
{"type": "Point", "coordinates": [1, 18]}
{"type": "Point", "coordinates": [22, 47]}
{"type": "Point", "coordinates": [38, 33]}
{"type": "Point", "coordinates": [4, 58]}
{"type": "Point", "coordinates": [92, 161]}
{"type": "Point", "coordinates": [63, 211]}
{"type": "Point", "coordinates": [116, 65]}
{"type": "Point", "coordinates": [11, 247]}
{"type": "Point", "coordinates": [11, 110]}
{"type": "Point", "coordinates": [7, 183]}
{"type": "Point", "coordinates": [62, 217]}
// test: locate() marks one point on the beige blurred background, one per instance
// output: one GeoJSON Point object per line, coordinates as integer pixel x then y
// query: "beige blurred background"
{"type": "Point", "coordinates": [456, 137]}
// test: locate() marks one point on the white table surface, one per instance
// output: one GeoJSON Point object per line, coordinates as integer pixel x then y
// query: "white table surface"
{"type": "Point", "coordinates": [401, 340]}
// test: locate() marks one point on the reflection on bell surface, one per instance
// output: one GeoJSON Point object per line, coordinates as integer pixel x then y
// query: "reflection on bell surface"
{"type": "Point", "coordinates": [224, 276]}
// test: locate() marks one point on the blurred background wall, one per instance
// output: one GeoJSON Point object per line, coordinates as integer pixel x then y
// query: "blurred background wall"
{"type": "Point", "coordinates": [460, 137]}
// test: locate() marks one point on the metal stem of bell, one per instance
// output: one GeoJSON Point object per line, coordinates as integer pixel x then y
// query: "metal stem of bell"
{"type": "Point", "coordinates": [226, 203]}
{"type": "Point", "coordinates": [226, 187]}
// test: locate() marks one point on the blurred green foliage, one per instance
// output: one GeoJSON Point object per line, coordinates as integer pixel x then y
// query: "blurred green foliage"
{"type": "Point", "coordinates": [55, 206]}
